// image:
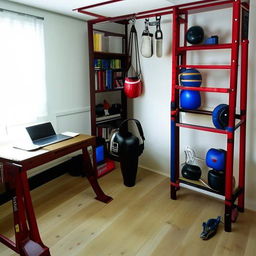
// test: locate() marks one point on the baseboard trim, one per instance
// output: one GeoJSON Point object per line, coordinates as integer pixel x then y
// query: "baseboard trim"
{"type": "Point", "coordinates": [155, 171]}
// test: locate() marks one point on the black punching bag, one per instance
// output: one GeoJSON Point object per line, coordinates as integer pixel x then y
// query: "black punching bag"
{"type": "Point", "coordinates": [127, 147]}
{"type": "Point", "coordinates": [129, 156]}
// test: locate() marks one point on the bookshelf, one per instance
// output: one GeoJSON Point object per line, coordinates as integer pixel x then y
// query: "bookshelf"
{"type": "Point", "coordinates": [107, 60]}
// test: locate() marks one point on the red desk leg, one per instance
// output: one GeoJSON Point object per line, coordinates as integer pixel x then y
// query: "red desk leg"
{"type": "Point", "coordinates": [90, 172]}
{"type": "Point", "coordinates": [28, 241]}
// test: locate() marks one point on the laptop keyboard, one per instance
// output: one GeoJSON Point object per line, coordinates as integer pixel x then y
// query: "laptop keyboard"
{"type": "Point", "coordinates": [50, 140]}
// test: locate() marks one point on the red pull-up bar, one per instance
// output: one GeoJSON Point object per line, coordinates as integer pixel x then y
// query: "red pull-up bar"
{"type": "Point", "coordinates": [150, 13]}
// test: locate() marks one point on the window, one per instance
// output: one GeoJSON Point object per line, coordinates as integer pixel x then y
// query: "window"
{"type": "Point", "coordinates": [22, 69]}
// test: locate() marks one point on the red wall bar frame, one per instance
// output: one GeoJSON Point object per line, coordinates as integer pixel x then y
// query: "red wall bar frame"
{"type": "Point", "coordinates": [179, 59]}
{"type": "Point", "coordinates": [151, 13]}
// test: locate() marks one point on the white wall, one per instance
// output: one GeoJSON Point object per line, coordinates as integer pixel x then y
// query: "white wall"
{"type": "Point", "coordinates": [153, 107]}
{"type": "Point", "coordinates": [251, 125]}
{"type": "Point", "coordinates": [67, 69]}
{"type": "Point", "coordinates": [66, 54]}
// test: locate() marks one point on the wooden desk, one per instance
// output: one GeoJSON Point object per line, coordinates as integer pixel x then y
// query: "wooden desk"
{"type": "Point", "coordinates": [14, 166]}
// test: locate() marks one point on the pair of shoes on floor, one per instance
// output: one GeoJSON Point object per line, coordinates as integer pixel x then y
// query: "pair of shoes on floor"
{"type": "Point", "coordinates": [210, 228]}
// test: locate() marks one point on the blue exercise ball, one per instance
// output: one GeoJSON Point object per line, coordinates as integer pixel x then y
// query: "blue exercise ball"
{"type": "Point", "coordinates": [190, 99]}
{"type": "Point", "coordinates": [216, 159]}
{"type": "Point", "coordinates": [190, 77]}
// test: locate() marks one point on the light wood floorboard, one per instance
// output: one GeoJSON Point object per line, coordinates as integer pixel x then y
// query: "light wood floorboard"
{"type": "Point", "coordinates": [140, 221]}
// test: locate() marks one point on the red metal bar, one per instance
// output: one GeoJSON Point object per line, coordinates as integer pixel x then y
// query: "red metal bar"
{"type": "Point", "coordinates": [232, 109]}
{"type": "Point", "coordinates": [206, 66]}
{"type": "Point", "coordinates": [243, 107]}
{"type": "Point", "coordinates": [175, 57]}
{"type": "Point", "coordinates": [7, 242]}
{"type": "Point", "coordinates": [234, 62]}
{"type": "Point", "coordinates": [203, 89]}
{"type": "Point", "coordinates": [174, 104]}
{"type": "Point", "coordinates": [114, 19]}
{"type": "Point", "coordinates": [153, 15]}
{"type": "Point", "coordinates": [28, 241]}
{"type": "Point", "coordinates": [159, 11]}
{"type": "Point", "coordinates": [185, 28]}
{"type": "Point", "coordinates": [91, 174]}
{"type": "Point", "coordinates": [202, 128]}
{"type": "Point", "coordinates": [155, 10]}
{"type": "Point", "coordinates": [205, 47]}
{"type": "Point", "coordinates": [20, 224]}
{"type": "Point", "coordinates": [92, 14]}
{"type": "Point", "coordinates": [96, 5]}
{"type": "Point", "coordinates": [34, 232]}
{"type": "Point", "coordinates": [204, 6]}
{"type": "Point", "coordinates": [201, 4]}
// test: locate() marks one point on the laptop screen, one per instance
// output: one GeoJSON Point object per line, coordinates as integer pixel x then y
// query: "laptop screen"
{"type": "Point", "coordinates": [40, 131]}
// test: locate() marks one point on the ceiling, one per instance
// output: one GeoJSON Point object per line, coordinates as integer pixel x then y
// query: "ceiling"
{"type": "Point", "coordinates": [111, 10]}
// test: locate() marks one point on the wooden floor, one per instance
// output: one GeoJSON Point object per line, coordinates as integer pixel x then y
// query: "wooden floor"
{"type": "Point", "coordinates": [140, 221]}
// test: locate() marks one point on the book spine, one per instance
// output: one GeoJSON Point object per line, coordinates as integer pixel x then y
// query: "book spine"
{"type": "Point", "coordinates": [109, 79]}
{"type": "Point", "coordinates": [100, 80]}
{"type": "Point", "coordinates": [96, 82]}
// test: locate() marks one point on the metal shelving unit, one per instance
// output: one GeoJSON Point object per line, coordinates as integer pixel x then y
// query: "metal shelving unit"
{"type": "Point", "coordinates": [179, 54]}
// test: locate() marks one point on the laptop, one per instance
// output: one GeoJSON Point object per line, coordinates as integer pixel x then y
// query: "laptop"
{"type": "Point", "coordinates": [44, 134]}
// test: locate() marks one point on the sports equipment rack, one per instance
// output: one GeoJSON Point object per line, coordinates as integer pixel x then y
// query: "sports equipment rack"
{"type": "Point", "coordinates": [179, 53]}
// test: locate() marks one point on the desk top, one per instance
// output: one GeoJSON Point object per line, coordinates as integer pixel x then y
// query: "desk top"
{"type": "Point", "coordinates": [45, 154]}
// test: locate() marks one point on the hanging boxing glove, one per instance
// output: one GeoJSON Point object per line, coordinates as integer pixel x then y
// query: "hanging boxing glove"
{"type": "Point", "coordinates": [146, 48]}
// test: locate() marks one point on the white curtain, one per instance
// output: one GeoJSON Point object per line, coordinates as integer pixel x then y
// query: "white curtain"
{"type": "Point", "coordinates": [22, 70]}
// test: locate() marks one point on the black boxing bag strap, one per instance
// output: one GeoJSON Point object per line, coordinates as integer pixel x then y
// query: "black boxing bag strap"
{"type": "Point", "coordinates": [133, 43]}
{"type": "Point", "coordinates": [139, 127]}
{"type": "Point", "coordinates": [130, 46]}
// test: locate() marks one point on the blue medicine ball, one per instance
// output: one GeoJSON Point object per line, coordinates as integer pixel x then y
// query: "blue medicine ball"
{"type": "Point", "coordinates": [216, 159]}
{"type": "Point", "coordinates": [190, 99]}
{"type": "Point", "coordinates": [190, 77]}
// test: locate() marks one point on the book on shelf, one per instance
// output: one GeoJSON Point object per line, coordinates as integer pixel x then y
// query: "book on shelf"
{"type": "Point", "coordinates": [118, 83]}
{"type": "Point", "coordinates": [97, 41]}
{"type": "Point", "coordinates": [96, 81]}
{"type": "Point", "coordinates": [118, 80]}
{"type": "Point", "coordinates": [115, 44]}
{"type": "Point", "coordinates": [115, 64]}
{"type": "Point", "coordinates": [100, 42]}
{"type": "Point", "coordinates": [109, 79]}
{"type": "Point", "coordinates": [107, 64]}
{"type": "Point", "coordinates": [100, 80]}
{"type": "Point", "coordinates": [104, 132]}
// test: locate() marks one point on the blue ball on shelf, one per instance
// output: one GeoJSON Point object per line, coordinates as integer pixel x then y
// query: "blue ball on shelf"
{"type": "Point", "coordinates": [216, 159]}
{"type": "Point", "coordinates": [190, 99]}
{"type": "Point", "coordinates": [190, 77]}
